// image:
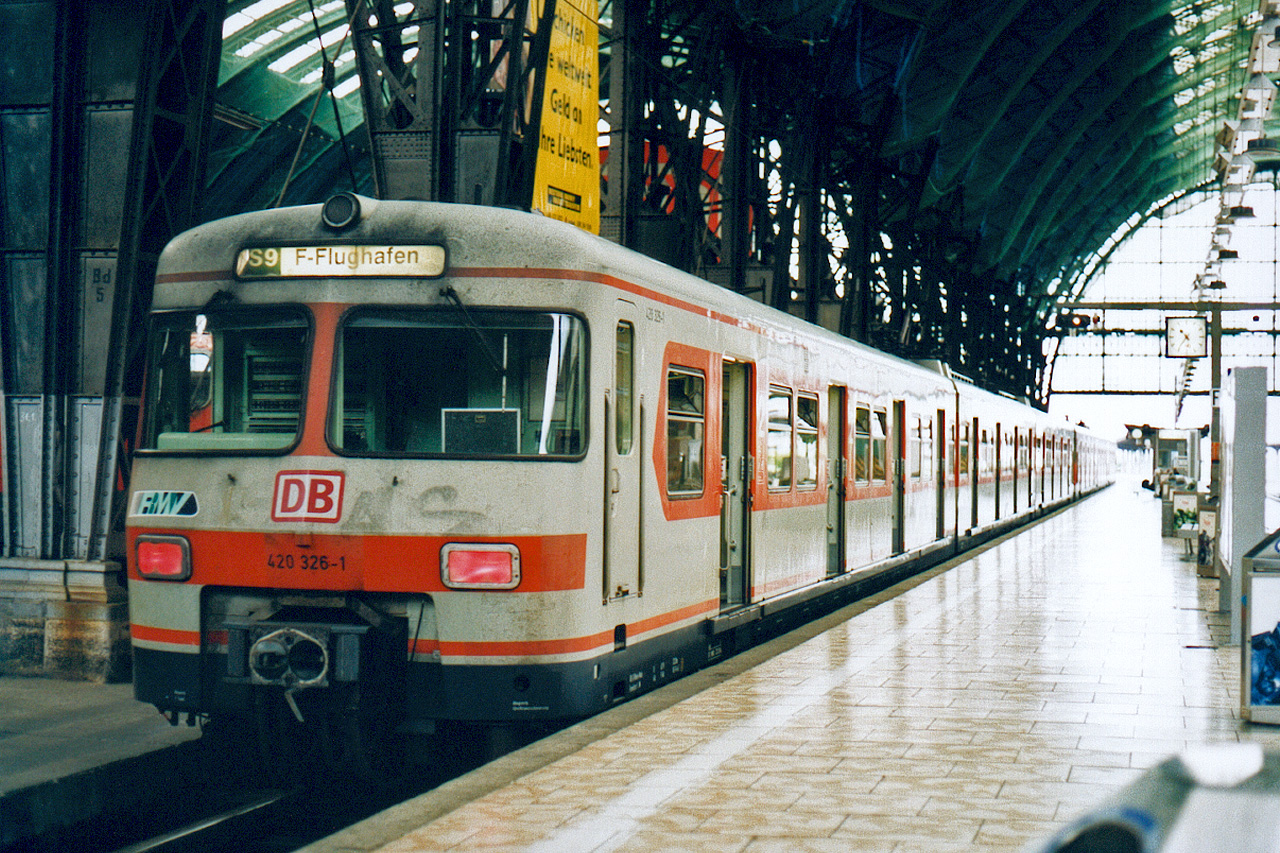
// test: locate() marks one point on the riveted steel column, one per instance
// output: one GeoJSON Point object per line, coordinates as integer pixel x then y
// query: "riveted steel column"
{"type": "Point", "coordinates": [734, 199]}
{"type": "Point", "coordinates": [27, 106]}
{"type": "Point", "coordinates": [164, 125]}
{"type": "Point", "coordinates": [452, 96]}
{"type": "Point", "coordinates": [812, 249]}
{"type": "Point", "coordinates": [403, 113]}
{"type": "Point", "coordinates": [64, 188]}
{"type": "Point", "coordinates": [623, 190]}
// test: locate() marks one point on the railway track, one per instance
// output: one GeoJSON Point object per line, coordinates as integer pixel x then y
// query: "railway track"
{"type": "Point", "coordinates": [272, 821]}
{"type": "Point", "coordinates": [214, 799]}
{"type": "Point", "coordinates": [217, 830]}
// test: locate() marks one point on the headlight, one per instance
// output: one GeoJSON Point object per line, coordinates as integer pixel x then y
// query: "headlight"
{"type": "Point", "coordinates": [163, 558]}
{"type": "Point", "coordinates": [480, 566]}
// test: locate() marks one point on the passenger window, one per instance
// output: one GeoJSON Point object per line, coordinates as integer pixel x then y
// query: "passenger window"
{"type": "Point", "coordinates": [779, 439]}
{"type": "Point", "coordinates": [806, 442]}
{"type": "Point", "coordinates": [879, 445]}
{"type": "Point", "coordinates": [963, 460]}
{"type": "Point", "coordinates": [686, 421]}
{"type": "Point", "coordinates": [623, 383]}
{"type": "Point", "coordinates": [862, 443]}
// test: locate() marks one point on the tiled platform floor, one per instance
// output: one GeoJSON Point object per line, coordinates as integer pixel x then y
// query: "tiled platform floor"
{"type": "Point", "coordinates": [977, 711]}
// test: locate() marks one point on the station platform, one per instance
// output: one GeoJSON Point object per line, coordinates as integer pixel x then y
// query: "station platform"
{"type": "Point", "coordinates": [978, 707]}
{"type": "Point", "coordinates": [72, 749]}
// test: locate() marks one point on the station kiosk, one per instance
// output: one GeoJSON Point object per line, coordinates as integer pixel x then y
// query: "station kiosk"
{"type": "Point", "coordinates": [1175, 462]}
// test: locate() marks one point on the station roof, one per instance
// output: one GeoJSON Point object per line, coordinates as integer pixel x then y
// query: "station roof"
{"type": "Point", "coordinates": [1028, 131]}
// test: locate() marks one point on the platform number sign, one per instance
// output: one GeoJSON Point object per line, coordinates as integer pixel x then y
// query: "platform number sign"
{"type": "Point", "coordinates": [97, 296]}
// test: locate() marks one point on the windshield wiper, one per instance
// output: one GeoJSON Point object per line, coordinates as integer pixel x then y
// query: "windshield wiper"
{"type": "Point", "coordinates": [452, 295]}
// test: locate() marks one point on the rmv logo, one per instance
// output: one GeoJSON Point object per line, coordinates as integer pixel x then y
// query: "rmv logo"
{"type": "Point", "coordinates": [307, 496]}
{"type": "Point", "coordinates": [152, 502]}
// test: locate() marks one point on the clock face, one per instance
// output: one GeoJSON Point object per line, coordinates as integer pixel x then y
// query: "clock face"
{"type": "Point", "coordinates": [1186, 337]}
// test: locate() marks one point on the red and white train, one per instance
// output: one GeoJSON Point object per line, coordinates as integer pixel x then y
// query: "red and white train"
{"type": "Point", "coordinates": [439, 462]}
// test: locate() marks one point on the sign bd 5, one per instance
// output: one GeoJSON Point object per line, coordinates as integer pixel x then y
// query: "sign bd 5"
{"type": "Point", "coordinates": [307, 496]}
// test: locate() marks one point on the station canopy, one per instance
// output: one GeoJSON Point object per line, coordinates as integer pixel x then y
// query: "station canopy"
{"type": "Point", "coordinates": [1027, 132]}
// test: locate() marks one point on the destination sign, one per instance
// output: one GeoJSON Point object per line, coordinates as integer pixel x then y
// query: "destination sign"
{"type": "Point", "coordinates": [339, 261]}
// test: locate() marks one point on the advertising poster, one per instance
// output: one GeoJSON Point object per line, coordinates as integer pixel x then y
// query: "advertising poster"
{"type": "Point", "coordinates": [1185, 510]}
{"type": "Point", "coordinates": [566, 181]}
{"type": "Point", "coordinates": [1264, 640]}
{"type": "Point", "coordinates": [1206, 539]}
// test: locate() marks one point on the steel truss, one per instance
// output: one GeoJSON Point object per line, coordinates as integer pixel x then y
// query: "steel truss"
{"type": "Point", "coordinates": [722, 160]}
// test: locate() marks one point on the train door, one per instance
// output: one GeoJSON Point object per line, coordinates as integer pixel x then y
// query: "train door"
{"type": "Point", "coordinates": [940, 464]}
{"type": "Point", "coordinates": [1017, 461]}
{"type": "Point", "coordinates": [1031, 469]}
{"type": "Point", "coordinates": [1000, 445]}
{"type": "Point", "coordinates": [1074, 483]}
{"type": "Point", "coordinates": [837, 465]}
{"type": "Point", "coordinates": [1059, 467]}
{"type": "Point", "coordinates": [1048, 487]}
{"type": "Point", "coordinates": [899, 476]}
{"type": "Point", "coordinates": [975, 471]}
{"type": "Point", "coordinates": [624, 413]}
{"type": "Point", "coordinates": [1041, 452]}
{"type": "Point", "coordinates": [736, 467]}
{"type": "Point", "coordinates": [1063, 489]}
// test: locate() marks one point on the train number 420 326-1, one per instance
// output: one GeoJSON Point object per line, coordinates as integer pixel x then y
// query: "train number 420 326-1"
{"type": "Point", "coordinates": [307, 562]}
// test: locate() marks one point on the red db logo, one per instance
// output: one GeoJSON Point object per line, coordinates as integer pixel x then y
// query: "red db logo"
{"type": "Point", "coordinates": [307, 496]}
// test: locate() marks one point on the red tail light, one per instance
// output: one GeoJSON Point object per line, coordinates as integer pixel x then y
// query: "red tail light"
{"type": "Point", "coordinates": [163, 558]}
{"type": "Point", "coordinates": [479, 566]}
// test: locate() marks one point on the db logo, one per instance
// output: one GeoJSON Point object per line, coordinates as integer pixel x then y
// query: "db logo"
{"type": "Point", "coordinates": [307, 496]}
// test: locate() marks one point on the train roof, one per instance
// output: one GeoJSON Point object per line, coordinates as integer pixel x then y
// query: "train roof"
{"type": "Point", "coordinates": [200, 262]}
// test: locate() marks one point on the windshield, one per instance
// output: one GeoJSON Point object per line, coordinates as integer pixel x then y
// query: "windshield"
{"type": "Point", "coordinates": [454, 382]}
{"type": "Point", "coordinates": [225, 380]}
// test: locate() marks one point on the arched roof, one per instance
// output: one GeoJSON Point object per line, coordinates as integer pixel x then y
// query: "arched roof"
{"type": "Point", "coordinates": [1034, 130]}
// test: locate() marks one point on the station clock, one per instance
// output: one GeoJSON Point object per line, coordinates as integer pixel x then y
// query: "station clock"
{"type": "Point", "coordinates": [1186, 337]}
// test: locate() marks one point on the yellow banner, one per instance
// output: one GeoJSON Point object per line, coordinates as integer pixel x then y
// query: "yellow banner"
{"type": "Point", "coordinates": [566, 182]}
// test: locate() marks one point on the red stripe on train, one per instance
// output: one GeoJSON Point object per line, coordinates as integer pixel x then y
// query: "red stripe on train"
{"type": "Point", "coordinates": [165, 635]}
{"type": "Point", "coordinates": [398, 563]}
{"type": "Point", "coordinates": [567, 645]}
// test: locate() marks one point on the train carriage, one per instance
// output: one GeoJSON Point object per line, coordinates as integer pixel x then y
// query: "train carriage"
{"type": "Point", "coordinates": [439, 462]}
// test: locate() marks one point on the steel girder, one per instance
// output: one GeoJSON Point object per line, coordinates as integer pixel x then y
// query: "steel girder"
{"type": "Point", "coordinates": [452, 96]}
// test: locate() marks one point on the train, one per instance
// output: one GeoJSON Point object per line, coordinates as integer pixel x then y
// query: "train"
{"type": "Point", "coordinates": [401, 463]}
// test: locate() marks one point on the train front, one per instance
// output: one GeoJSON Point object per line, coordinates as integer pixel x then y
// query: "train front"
{"type": "Point", "coordinates": [342, 457]}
